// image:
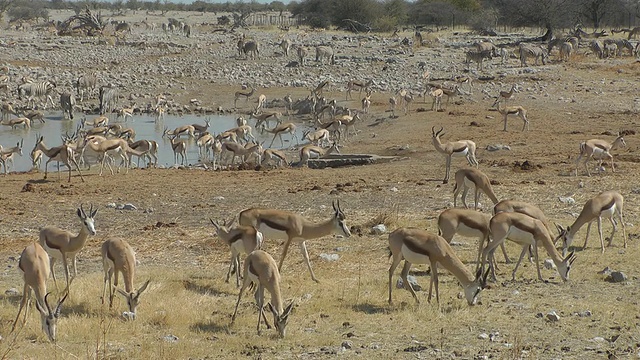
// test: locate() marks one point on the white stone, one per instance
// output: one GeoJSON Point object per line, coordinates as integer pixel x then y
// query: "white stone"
{"type": "Point", "coordinates": [379, 229]}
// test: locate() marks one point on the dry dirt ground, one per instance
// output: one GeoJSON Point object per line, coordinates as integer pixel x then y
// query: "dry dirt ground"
{"type": "Point", "coordinates": [347, 312]}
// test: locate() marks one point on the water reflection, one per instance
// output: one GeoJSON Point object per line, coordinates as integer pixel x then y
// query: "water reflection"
{"type": "Point", "coordinates": [145, 127]}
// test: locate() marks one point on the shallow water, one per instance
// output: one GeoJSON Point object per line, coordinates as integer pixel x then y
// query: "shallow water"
{"type": "Point", "coordinates": [145, 126]}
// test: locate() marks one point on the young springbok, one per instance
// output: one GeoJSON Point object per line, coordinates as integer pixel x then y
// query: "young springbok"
{"type": "Point", "coordinates": [34, 266]}
{"type": "Point", "coordinates": [63, 153]}
{"type": "Point", "coordinates": [278, 224]}
{"type": "Point", "coordinates": [241, 240]}
{"type": "Point", "coordinates": [261, 269]}
{"type": "Point", "coordinates": [449, 149]}
{"type": "Point", "coordinates": [118, 257]}
{"type": "Point", "coordinates": [63, 245]}
{"type": "Point", "coordinates": [420, 247]}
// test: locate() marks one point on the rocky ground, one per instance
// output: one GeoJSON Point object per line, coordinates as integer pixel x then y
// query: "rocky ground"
{"type": "Point", "coordinates": [185, 312]}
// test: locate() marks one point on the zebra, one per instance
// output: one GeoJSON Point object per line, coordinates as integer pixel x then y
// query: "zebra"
{"type": "Point", "coordinates": [621, 45]}
{"type": "Point", "coordinates": [478, 57]}
{"type": "Point", "coordinates": [565, 51]}
{"type": "Point", "coordinates": [301, 51]}
{"type": "Point", "coordinates": [534, 52]}
{"type": "Point", "coordinates": [610, 50]}
{"type": "Point", "coordinates": [325, 52]}
{"type": "Point", "coordinates": [597, 48]}
{"type": "Point", "coordinates": [86, 82]}
{"type": "Point", "coordinates": [67, 103]}
{"type": "Point", "coordinates": [251, 47]}
{"type": "Point", "coordinates": [557, 42]}
{"type": "Point", "coordinates": [108, 98]}
{"type": "Point", "coordinates": [37, 89]}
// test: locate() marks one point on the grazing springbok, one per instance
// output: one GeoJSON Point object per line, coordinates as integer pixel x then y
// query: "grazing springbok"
{"type": "Point", "coordinates": [261, 269]}
{"type": "Point", "coordinates": [450, 149]}
{"type": "Point", "coordinates": [272, 154]}
{"type": "Point", "coordinates": [118, 257]}
{"type": "Point", "coordinates": [278, 224]}
{"type": "Point", "coordinates": [34, 267]}
{"type": "Point", "coordinates": [467, 178]}
{"type": "Point", "coordinates": [606, 205]}
{"type": "Point", "coordinates": [63, 245]}
{"type": "Point", "coordinates": [241, 240]}
{"type": "Point", "coordinates": [599, 150]}
{"type": "Point", "coordinates": [417, 246]}
{"type": "Point", "coordinates": [179, 147]}
{"type": "Point", "coordinates": [527, 232]}
{"type": "Point", "coordinates": [467, 223]}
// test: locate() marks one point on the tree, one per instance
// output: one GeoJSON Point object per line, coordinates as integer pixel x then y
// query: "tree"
{"type": "Point", "coordinates": [595, 11]}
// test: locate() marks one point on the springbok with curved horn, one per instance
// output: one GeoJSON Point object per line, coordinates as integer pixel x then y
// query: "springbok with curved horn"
{"type": "Point", "coordinates": [465, 148]}
{"type": "Point", "coordinates": [61, 244]}
{"type": "Point", "coordinates": [261, 269]}
{"type": "Point", "coordinates": [278, 224]}
{"type": "Point", "coordinates": [34, 266]}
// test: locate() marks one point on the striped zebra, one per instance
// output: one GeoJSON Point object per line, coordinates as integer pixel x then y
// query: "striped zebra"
{"type": "Point", "coordinates": [86, 82]}
{"type": "Point", "coordinates": [534, 52]}
{"type": "Point", "coordinates": [108, 99]}
{"type": "Point", "coordinates": [621, 45]}
{"type": "Point", "coordinates": [597, 48]}
{"type": "Point", "coordinates": [323, 52]}
{"type": "Point", "coordinates": [37, 89]}
{"type": "Point", "coordinates": [251, 49]}
{"type": "Point", "coordinates": [67, 103]}
{"type": "Point", "coordinates": [478, 57]}
{"type": "Point", "coordinates": [557, 42]}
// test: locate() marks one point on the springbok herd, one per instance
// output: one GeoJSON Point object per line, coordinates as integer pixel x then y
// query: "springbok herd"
{"type": "Point", "coordinates": [98, 140]}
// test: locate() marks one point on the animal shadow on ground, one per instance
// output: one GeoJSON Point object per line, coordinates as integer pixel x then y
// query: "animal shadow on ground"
{"type": "Point", "coordinates": [204, 289]}
{"type": "Point", "coordinates": [370, 309]}
{"type": "Point", "coordinates": [210, 327]}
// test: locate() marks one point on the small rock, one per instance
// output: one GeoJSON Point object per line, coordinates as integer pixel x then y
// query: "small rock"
{"type": "Point", "coordinates": [494, 336]}
{"type": "Point", "coordinates": [412, 280]}
{"type": "Point", "coordinates": [598, 339]}
{"type": "Point", "coordinates": [567, 200]}
{"type": "Point", "coordinates": [605, 271]}
{"type": "Point", "coordinates": [218, 198]}
{"type": "Point", "coordinates": [129, 206]}
{"type": "Point", "coordinates": [394, 189]}
{"type": "Point", "coordinates": [171, 338]}
{"type": "Point", "coordinates": [111, 205]}
{"type": "Point", "coordinates": [616, 277]}
{"type": "Point", "coordinates": [404, 147]}
{"type": "Point", "coordinates": [379, 229]}
{"type": "Point", "coordinates": [553, 316]}
{"type": "Point", "coordinates": [515, 292]}
{"type": "Point", "coordinates": [457, 243]}
{"type": "Point", "coordinates": [12, 292]}
{"type": "Point", "coordinates": [329, 257]}
{"type": "Point", "coordinates": [548, 264]}
{"type": "Point", "coordinates": [347, 345]}
{"type": "Point", "coordinates": [539, 315]}
{"type": "Point", "coordinates": [585, 313]}
{"type": "Point", "coordinates": [483, 336]}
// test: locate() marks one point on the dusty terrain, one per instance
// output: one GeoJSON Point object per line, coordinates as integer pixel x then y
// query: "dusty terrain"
{"type": "Point", "coordinates": [347, 312]}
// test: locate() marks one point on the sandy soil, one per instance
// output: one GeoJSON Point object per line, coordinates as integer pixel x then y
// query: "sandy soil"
{"type": "Point", "coordinates": [567, 103]}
